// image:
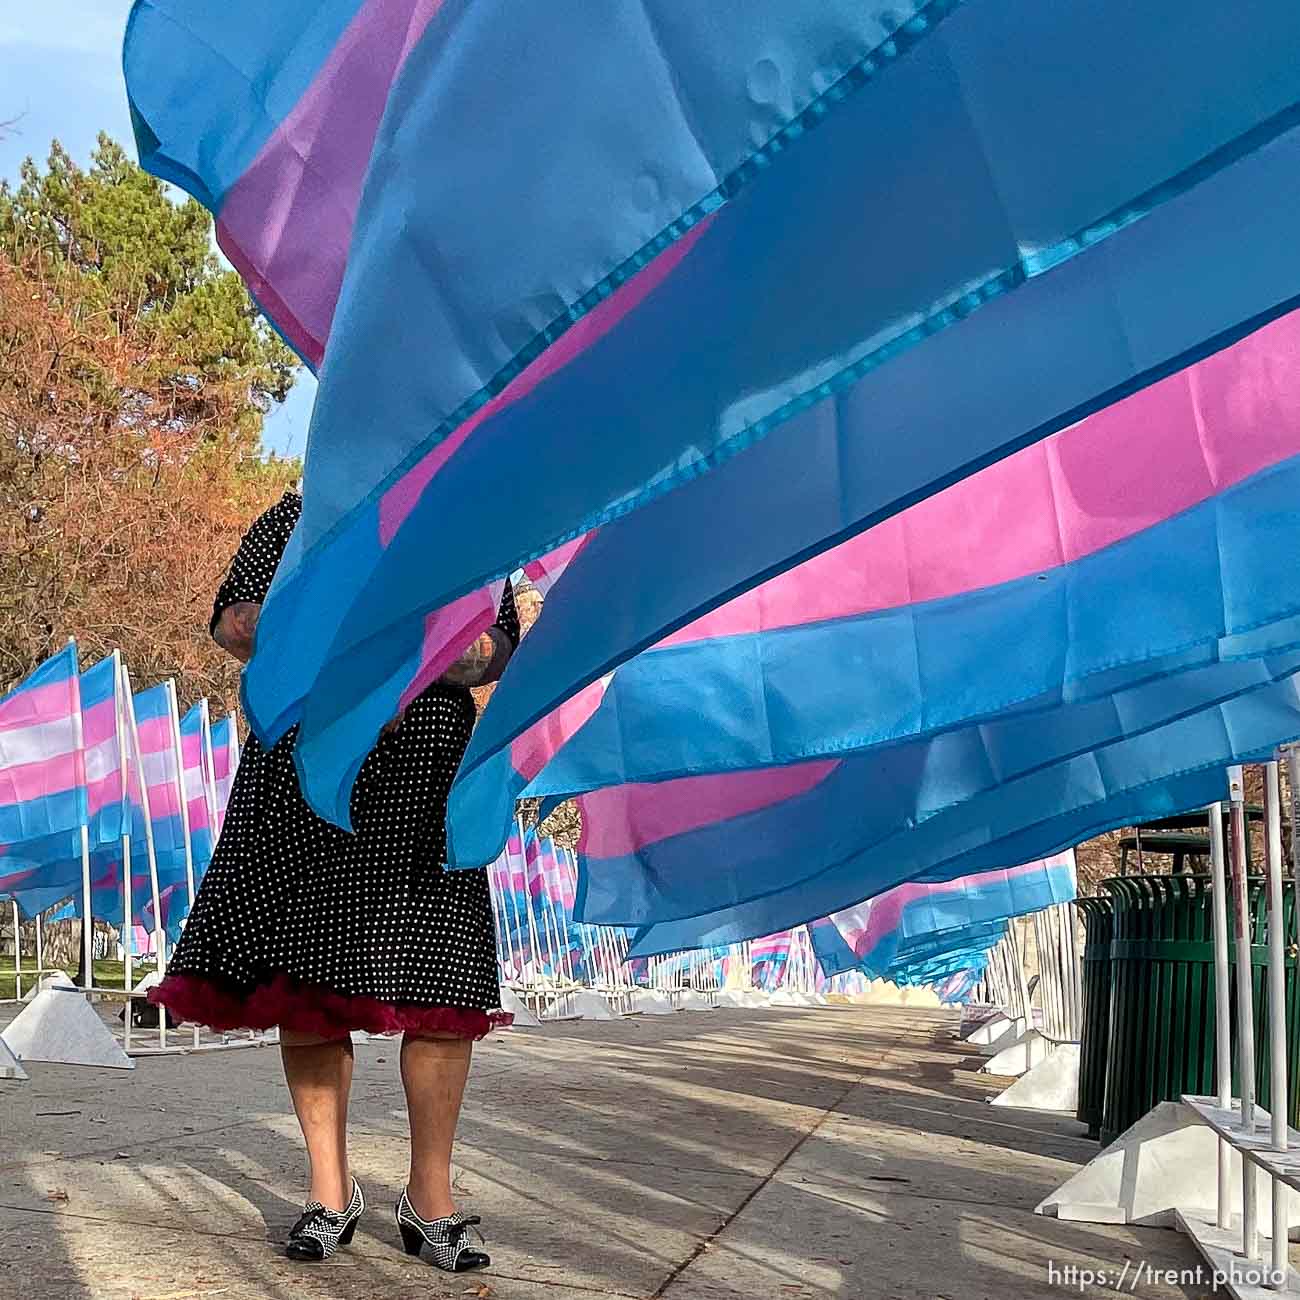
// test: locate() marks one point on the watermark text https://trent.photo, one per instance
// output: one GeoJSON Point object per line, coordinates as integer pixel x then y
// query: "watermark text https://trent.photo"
{"type": "Point", "coordinates": [1135, 1276]}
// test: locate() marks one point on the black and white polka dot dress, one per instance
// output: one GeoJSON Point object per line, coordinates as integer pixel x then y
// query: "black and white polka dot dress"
{"type": "Point", "coordinates": [300, 924]}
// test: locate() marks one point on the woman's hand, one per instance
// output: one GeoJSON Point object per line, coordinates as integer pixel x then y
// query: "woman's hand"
{"type": "Point", "coordinates": [236, 628]}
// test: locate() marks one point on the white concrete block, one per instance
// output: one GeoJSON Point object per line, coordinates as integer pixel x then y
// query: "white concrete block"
{"type": "Point", "coordinates": [1020, 1056]}
{"type": "Point", "coordinates": [581, 1004]}
{"type": "Point", "coordinates": [788, 998]}
{"type": "Point", "coordinates": [1015, 1030]}
{"type": "Point", "coordinates": [651, 1002]}
{"type": "Point", "coordinates": [690, 1000]}
{"type": "Point", "coordinates": [988, 1030]}
{"type": "Point", "coordinates": [512, 1002]}
{"type": "Point", "coordinates": [1167, 1163]}
{"type": "Point", "coordinates": [10, 1066]}
{"type": "Point", "coordinates": [1220, 1248]}
{"type": "Point", "coordinates": [1052, 1084]}
{"type": "Point", "coordinates": [59, 1026]}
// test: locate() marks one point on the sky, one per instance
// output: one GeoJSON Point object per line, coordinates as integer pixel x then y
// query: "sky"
{"type": "Point", "coordinates": [61, 76]}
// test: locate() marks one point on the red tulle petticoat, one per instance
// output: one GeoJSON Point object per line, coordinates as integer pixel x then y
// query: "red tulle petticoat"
{"type": "Point", "coordinates": [311, 1009]}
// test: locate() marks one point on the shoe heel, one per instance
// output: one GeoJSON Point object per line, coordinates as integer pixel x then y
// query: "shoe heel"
{"type": "Point", "coordinates": [345, 1238]}
{"type": "Point", "coordinates": [412, 1239]}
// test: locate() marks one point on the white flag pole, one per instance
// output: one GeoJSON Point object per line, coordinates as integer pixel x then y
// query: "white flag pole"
{"type": "Point", "coordinates": [528, 898]}
{"type": "Point", "coordinates": [133, 731]}
{"type": "Point", "coordinates": [505, 960]}
{"type": "Point", "coordinates": [234, 741]}
{"type": "Point", "coordinates": [173, 708]}
{"type": "Point", "coordinates": [208, 766]}
{"type": "Point", "coordinates": [128, 923]}
{"type": "Point", "coordinates": [18, 953]}
{"type": "Point", "coordinates": [87, 916]}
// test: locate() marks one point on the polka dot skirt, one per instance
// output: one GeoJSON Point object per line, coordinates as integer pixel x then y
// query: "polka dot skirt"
{"type": "Point", "coordinates": [301, 924]}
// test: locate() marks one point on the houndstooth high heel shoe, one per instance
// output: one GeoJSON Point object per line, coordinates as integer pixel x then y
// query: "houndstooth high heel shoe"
{"type": "Point", "coordinates": [320, 1231]}
{"type": "Point", "coordinates": [446, 1238]}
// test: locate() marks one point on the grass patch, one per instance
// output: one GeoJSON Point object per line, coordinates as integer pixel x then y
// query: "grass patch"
{"type": "Point", "coordinates": [108, 974]}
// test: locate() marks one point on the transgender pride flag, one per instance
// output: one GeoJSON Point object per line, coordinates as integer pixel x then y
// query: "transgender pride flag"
{"type": "Point", "coordinates": [1079, 636]}
{"type": "Point", "coordinates": [158, 793]}
{"type": "Point", "coordinates": [902, 921]}
{"type": "Point", "coordinates": [160, 765]}
{"type": "Point", "coordinates": [42, 769]}
{"type": "Point", "coordinates": [225, 762]}
{"type": "Point", "coordinates": [196, 758]}
{"type": "Point", "coordinates": [768, 957]}
{"type": "Point", "coordinates": [550, 886]}
{"type": "Point", "coordinates": [695, 261]}
{"type": "Point", "coordinates": [102, 730]}
{"type": "Point", "coordinates": [39, 872]}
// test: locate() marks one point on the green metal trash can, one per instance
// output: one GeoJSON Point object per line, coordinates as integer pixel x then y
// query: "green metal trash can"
{"type": "Point", "coordinates": [1162, 995]}
{"type": "Point", "coordinates": [1094, 1039]}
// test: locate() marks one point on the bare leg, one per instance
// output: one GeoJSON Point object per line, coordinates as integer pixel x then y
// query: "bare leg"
{"type": "Point", "coordinates": [434, 1070]}
{"type": "Point", "coordinates": [319, 1074]}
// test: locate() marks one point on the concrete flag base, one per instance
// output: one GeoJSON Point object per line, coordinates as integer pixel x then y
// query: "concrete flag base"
{"type": "Point", "coordinates": [512, 1002]}
{"type": "Point", "coordinates": [60, 1027]}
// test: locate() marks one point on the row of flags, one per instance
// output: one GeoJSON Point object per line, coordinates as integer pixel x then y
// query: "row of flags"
{"type": "Point", "coordinates": [919, 935]}
{"type": "Point", "coordinates": [109, 798]}
{"type": "Point", "coordinates": [867, 643]}
{"type": "Point", "coordinates": [917, 932]}
{"type": "Point", "coordinates": [534, 886]}
{"type": "Point", "coordinates": [94, 776]}
{"type": "Point", "coordinates": [593, 286]}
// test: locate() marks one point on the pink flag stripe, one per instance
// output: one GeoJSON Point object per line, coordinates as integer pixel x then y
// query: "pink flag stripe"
{"type": "Point", "coordinates": [24, 782]}
{"type": "Point", "coordinates": [544, 573]}
{"type": "Point", "coordinates": [1083, 489]}
{"type": "Point", "coordinates": [400, 499]}
{"type": "Point", "coordinates": [35, 705]}
{"type": "Point", "coordinates": [286, 224]}
{"type": "Point", "coordinates": [99, 724]}
{"type": "Point", "coordinates": [532, 749]}
{"type": "Point", "coordinates": [156, 736]}
{"type": "Point", "coordinates": [886, 912]}
{"type": "Point", "coordinates": [1093, 484]}
{"type": "Point", "coordinates": [449, 631]}
{"type": "Point", "coordinates": [104, 792]}
{"type": "Point", "coordinates": [770, 945]}
{"type": "Point", "coordinates": [619, 820]}
{"type": "Point", "coordinates": [111, 876]}
{"type": "Point", "coordinates": [164, 801]}
{"type": "Point", "coordinates": [192, 751]}
{"type": "Point", "coordinates": [198, 811]}
{"type": "Point", "coordinates": [15, 878]}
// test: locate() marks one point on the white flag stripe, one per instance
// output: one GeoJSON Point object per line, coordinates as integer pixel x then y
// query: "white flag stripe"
{"type": "Point", "coordinates": [158, 769]}
{"type": "Point", "coordinates": [194, 783]}
{"type": "Point", "coordinates": [42, 740]}
{"type": "Point", "coordinates": [102, 759]}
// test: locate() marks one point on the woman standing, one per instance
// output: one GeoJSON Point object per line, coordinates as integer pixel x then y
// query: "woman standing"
{"type": "Point", "coordinates": [322, 931]}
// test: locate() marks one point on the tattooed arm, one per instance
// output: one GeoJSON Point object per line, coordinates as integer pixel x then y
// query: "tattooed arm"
{"type": "Point", "coordinates": [483, 662]}
{"type": "Point", "coordinates": [234, 628]}
{"type": "Point", "coordinates": [239, 599]}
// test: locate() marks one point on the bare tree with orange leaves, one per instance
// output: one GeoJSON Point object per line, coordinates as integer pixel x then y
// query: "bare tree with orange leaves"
{"type": "Point", "coordinates": [134, 377]}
